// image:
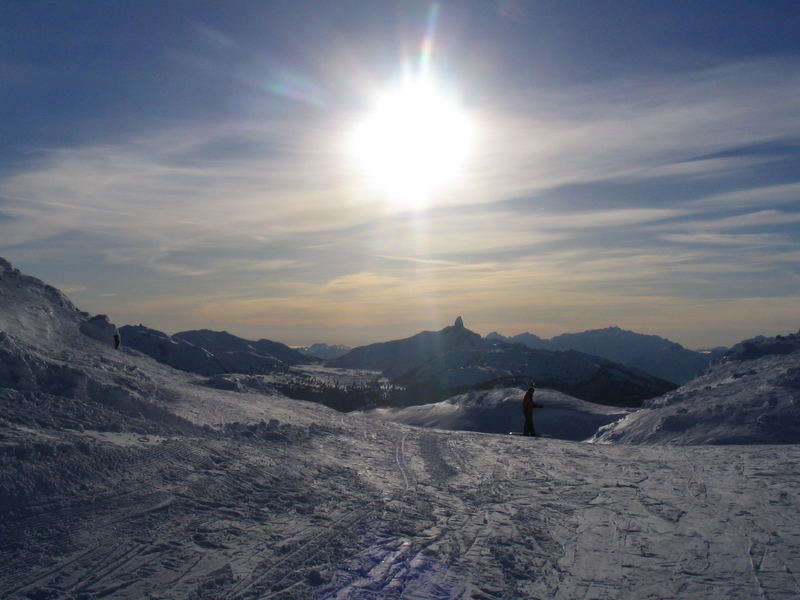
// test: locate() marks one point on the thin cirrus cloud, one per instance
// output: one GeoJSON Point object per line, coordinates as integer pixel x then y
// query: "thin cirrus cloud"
{"type": "Point", "coordinates": [286, 204]}
{"type": "Point", "coordinates": [730, 239]}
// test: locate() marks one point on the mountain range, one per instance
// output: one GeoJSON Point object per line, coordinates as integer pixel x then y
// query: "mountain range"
{"type": "Point", "coordinates": [436, 364]}
{"type": "Point", "coordinates": [324, 351]}
{"type": "Point", "coordinates": [656, 355]}
{"type": "Point", "coordinates": [212, 352]}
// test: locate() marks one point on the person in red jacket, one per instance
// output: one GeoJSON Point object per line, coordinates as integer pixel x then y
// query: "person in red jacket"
{"type": "Point", "coordinates": [527, 409]}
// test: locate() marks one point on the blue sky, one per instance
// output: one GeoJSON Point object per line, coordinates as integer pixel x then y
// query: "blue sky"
{"type": "Point", "coordinates": [181, 164]}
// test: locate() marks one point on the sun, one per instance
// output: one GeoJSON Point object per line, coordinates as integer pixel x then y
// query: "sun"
{"type": "Point", "coordinates": [413, 144]}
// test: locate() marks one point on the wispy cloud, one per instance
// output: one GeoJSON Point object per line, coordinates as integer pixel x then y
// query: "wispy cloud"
{"type": "Point", "coordinates": [755, 197]}
{"type": "Point", "coordinates": [277, 200]}
{"type": "Point", "coordinates": [729, 239]}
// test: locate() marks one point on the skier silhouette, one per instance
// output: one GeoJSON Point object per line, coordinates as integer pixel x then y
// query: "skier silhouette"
{"type": "Point", "coordinates": [527, 409]}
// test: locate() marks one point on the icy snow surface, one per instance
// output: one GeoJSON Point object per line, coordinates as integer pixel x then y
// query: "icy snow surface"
{"type": "Point", "coordinates": [123, 478]}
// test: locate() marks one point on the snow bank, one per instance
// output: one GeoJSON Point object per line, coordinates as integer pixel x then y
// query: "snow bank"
{"type": "Point", "coordinates": [751, 397]}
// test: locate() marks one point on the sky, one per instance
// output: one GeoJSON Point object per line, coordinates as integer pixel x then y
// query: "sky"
{"type": "Point", "coordinates": [190, 164]}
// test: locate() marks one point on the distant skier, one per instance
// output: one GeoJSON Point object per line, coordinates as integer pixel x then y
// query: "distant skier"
{"type": "Point", "coordinates": [116, 340]}
{"type": "Point", "coordinates": [527, 409]}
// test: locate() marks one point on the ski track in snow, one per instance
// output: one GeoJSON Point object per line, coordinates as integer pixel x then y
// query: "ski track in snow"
{"type": "Point", "coordinates": [377, 510]}
{"type": "Point", "coordinates": [386, 511]}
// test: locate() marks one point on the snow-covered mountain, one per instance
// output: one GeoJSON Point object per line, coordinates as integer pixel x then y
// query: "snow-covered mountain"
{"type": "Point", "coordinates": [751, 397]}
{"type": "Point", "coordinates": [437, 364]}
{"type": "Point", "coordinates": [243, 356]}
{"type": "Point", "coordinates": [211, 352]}
{"type": "Point", "coordinates": [499, 411]}
{"type": "Point", "coordinates": [171, 351]}
{"type": "Point", "coordinates": [123, 478]}
{"type": "Point", "coordinates": [650, 353]}
{"type": "Point", "coordinates": [324, 351]}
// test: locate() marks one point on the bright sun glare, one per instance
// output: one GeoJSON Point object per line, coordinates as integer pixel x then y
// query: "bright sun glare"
{"type": "Point", "coordinates": [414, 143]}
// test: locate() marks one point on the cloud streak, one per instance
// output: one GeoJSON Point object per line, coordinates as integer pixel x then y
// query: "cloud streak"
{"type": "Point", "coordinates": [277, 201]}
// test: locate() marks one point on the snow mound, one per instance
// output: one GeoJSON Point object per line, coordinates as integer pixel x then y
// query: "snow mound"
{"type": "Point", "coordinates": [752, 397]}
{"type": "Point", "coordinates": [499, 411]}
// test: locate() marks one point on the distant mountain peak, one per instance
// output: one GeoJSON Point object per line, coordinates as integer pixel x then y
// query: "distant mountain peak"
{"type": "Point", "coordinates": [459, 324]}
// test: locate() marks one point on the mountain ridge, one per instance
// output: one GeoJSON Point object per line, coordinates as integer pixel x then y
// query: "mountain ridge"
{"type": "Point", "coordinates": [454, 359]}
{"type": "Point", "coordinates": [653, 354]}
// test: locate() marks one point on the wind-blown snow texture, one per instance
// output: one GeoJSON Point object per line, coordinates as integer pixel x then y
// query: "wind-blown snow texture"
{"type": "Point", "coordinates": [120, 477]}
{"type": "Point", "coordinates": [751, 397]}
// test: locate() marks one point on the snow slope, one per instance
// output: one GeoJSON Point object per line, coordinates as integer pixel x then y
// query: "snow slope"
{"type": "Point", "coordinates": [751, 397]}
{"type": "Point", "coordinates": [499, 411]}
{"type": "Point", "coordinates": [122, 478]}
